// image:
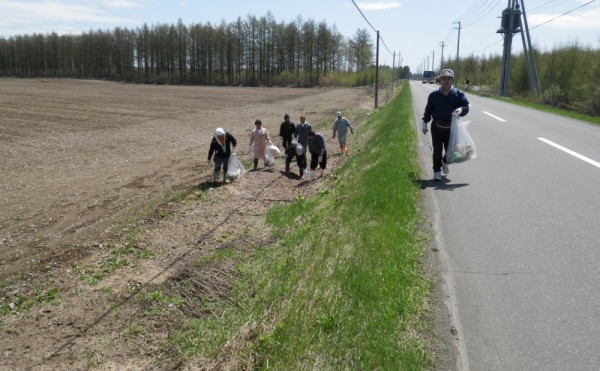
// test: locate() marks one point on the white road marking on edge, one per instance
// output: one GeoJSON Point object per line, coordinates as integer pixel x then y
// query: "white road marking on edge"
{"type": "Point", "coordinates": [496, 117]}
{"type": "Point", "coordinates": [572, 153]}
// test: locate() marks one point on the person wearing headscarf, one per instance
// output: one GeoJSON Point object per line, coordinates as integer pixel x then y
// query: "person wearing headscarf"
{"type": "Point", "coordinates": [297, 151]}
{"type": "Point", "coordinates": [221, 146]}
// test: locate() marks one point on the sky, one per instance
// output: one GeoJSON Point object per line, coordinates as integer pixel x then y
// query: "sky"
{"type": "Point", "coordinates": [413, 33]}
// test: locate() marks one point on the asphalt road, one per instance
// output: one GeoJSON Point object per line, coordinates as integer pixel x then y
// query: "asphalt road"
{"type": "Point", "coordinates": [519, 234]}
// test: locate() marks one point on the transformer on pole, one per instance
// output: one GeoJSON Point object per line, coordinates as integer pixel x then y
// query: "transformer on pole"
{"type": "Point", "coordinates": [511, 24]}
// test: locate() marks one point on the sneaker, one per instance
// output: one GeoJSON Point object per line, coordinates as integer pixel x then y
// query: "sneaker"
{"type": "Point", "coordinates": [437, 176]}
{"type": "Point", "coordinates": [445, 169]}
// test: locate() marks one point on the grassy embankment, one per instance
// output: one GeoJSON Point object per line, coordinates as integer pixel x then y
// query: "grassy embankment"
{"type": "Point", "coordinates": [344, 287]}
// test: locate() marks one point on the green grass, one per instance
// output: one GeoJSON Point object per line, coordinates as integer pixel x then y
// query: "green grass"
{"type": "Point", "coordinates": [343, 288]}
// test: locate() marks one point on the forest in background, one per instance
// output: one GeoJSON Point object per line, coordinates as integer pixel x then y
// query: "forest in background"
{"type": "Point", "coordinates": [259, 51]}
{"type": "Point", "coordinates": [567, 77]}
{"type": "Point", "coordinates": [249, 52]}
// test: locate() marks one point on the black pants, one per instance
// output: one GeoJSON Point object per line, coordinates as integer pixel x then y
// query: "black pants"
{"type": "Point", "coordinates": [287, 141]}
{"type": "Point", "coordinates": [314, 160]}
{"type": "Point", "coordinates": [440, 137]}
{"type": "Point", "coordinates": [300, 160]}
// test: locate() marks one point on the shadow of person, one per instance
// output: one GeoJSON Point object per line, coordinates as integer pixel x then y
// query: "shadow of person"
{"type": "Point", "coordinates": [442, 185]}
{"type": "Point", "coordinates": [208, 184]}
{"type": "Point", "coordinates": [290, 175]}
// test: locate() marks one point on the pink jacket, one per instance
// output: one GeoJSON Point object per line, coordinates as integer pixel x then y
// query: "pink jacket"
{"type": "Point", "coordinates": [260, 138]}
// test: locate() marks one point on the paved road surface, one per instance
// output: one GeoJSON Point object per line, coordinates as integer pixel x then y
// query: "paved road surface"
{"type": "Point", "coordinates": [519, 229]}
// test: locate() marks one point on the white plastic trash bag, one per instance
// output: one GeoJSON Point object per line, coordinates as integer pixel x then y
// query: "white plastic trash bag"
{"type": "Point", "coordinates": [235, 168]}
{"type": "Point", "coordinates": [273, 150]}
{"type": "Point", "coordinates": [461, 146]}
{"type": "Point", "coordinates": [269, 159]}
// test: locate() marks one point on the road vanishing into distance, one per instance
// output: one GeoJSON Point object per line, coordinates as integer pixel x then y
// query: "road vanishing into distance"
{"type": "Point", "coordinates": [518, 232]}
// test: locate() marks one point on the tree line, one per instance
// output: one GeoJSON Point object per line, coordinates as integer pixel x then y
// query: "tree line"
{"type": "Point", "coordinates": [567, 76]}
{"type": "Point", "coordinates": [254, 51]}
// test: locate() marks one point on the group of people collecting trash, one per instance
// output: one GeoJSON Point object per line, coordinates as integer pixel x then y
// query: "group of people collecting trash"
{"type": "Point", "coordinates": [297, 140]}
{"type": "Point", "coordinates": [450, 140]}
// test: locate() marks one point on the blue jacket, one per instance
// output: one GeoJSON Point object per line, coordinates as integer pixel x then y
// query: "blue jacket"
{"type": "Point", "coordinates": [440, 106]}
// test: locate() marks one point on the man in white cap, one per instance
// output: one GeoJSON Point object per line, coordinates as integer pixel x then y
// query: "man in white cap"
{"type": "Point", "coordinates": [441, 105]}
{"type": "Point", "coordinates": [341, 126]}
{"type": "Point", "coordinates": [221, 147]}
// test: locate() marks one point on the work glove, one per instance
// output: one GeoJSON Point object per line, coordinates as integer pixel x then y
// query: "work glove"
{"type": "Point", "coordinates": [320, 159]}
{"type": "Point", "coordinates": [351, 131]}
{"type": "Point", "coordinates": [457, 111]}
{"type": "Point", "coordinates": [333, 136]}
{"type": "Point", "coordinates": [424, 127]}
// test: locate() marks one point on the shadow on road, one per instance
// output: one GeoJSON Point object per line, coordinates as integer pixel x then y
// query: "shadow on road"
{"type": "Point", "coordinates": [442, 185]}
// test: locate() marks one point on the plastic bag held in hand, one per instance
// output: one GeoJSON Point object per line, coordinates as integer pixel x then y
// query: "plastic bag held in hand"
{"type": "Point", "coordinates": [461, 146]}
{"type": "Point", "coordinates": [320, 159]}
{"type": "Point", "coordinates": [424, 127]}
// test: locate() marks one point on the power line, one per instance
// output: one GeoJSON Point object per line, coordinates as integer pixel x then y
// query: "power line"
{"type": "Point", "coordinates": [480, 13]}
{"type": "Point", "coordinates": [361, 13]}
{"type": "Point", "coordinates": [570, 11]}
{"type": "Point", "coordinates": [373, 28]}
{"type": "Point", "coordinates": [541, 24]}
{"type": "Point", "coordinates": [549, 4]}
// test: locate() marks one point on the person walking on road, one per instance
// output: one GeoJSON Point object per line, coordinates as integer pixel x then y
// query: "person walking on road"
{"type": "Point", "coordinates": [441, 105]}
{"type": "Point", "coordinates": [259, 137]}
{"type": "Point", "coordinates": [341, 126]}
{"type": "Point", "coordinates": [318, 153]}
{"type": "Point", "coordinates": [287, 129]}
{"type": "Point", "coordinates": [221, 146]}
{"type": "Point", "coordinates": [302, 130]}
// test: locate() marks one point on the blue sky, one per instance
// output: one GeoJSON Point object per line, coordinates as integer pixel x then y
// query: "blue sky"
{"type": "Point", "coordinates": [413, 29]}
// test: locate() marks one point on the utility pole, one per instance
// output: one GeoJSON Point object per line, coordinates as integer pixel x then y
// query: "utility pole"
{"type": "Point", "coordinates": [458, 44]}
{"type": "Point", "coordinates": [511, 24]}
{"type": "Point", "coordinates": [534, 81]}
{"type": "Point", "coordinates": [377, 71]}
{"type": "Point", "coordinates": [442, 61]}
{"type": "Point", "coordinates": [433, 60]}
{"type": "Point", "coordinates": [508, 25]}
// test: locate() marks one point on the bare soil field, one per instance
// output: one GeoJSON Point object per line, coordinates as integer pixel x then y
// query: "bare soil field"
{"type": "Point", "coordinates": [81, 160]}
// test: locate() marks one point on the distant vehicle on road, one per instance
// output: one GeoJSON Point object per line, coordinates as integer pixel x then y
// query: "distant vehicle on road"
{"type": "Point", "coordinates": [428, 77]}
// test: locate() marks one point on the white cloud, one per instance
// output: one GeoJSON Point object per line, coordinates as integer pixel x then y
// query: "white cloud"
{"type": "Point", "coordinates": [578, 20]}
{"type": "Point", "coordinates": [16, 12]}
{"type": "Point", "coordinates": [379, 5]}
{"type": "Point", "coordinates": [121, 4]}
{"type": "Point", "coordinates": [20, 17]}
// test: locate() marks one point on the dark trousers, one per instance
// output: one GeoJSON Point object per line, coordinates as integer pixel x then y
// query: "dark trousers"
{"type": "Point", "coordinates": [300, 160]}
{"type": "Point", "coordinates": [314, 160]}
{"type": "Point", "coordinates": [440, 136]}
{"type": "Point", "coordinates": [287, 141]}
